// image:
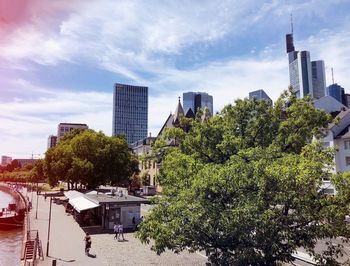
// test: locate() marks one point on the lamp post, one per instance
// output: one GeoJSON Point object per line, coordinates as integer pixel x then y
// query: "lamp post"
{"type": "Point", "coordinates": [31, 190]}
{"type": "Point", "coordinates": [48, 230]}
{"type": "Point", "coordinates": [37, 197]}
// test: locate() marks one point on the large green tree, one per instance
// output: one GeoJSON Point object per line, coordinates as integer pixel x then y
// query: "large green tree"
{"type": "Point", "coordinates": [90, 158]}
{"type": "Point", "coordinates": [246, 187]}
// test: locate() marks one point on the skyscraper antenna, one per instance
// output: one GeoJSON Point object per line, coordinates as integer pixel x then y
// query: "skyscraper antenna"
{"type": "Point", "coordinates": [332, 75]}
{"type": "Point", "coordinates": [291, 21]}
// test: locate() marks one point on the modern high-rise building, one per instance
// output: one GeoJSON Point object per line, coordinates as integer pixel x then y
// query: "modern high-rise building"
{"type": "Point", "coordinates": [51, 141]}
{"type": "Point", "coordinates": [130, 112]}
{"type": "Point", "coordinates": [195, 100]}
{"type": "Point", "coordinates": [63, 128]}
{"type": "Point", "coordinates": [337, 92]}
{"type": "Point", "coordinates": [300, 73]}
{"type": "Point", "coordinates": [318, 79]}
{"type": "Point", "coordinates": [306, 76]}
{"type": "Point", "coordinates": [259, 95]}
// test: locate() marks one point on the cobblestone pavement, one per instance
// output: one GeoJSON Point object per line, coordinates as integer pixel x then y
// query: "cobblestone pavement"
{"type": "Point", "coordinates": [66, 244]}
{"type": "Point", "coordinates": [131, 252]}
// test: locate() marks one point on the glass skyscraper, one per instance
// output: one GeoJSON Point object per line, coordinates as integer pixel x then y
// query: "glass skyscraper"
{"type": "Point", "coordinates": [259, 95]}
{"type": "Point", "coordinates": [318, 78]}
{"type": "Point", "coordinates": [337, 92]}
{"type": "Point", "coordinates": [130, 112]}
{"type": "Point", "coordinates": [195, 100]}
{"type": "Point", "coordinates": [306, 76]}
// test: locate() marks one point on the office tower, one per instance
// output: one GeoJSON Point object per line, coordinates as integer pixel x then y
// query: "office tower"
{"type": "Point", "coordinates": [306, 76]}
{"type": "Point", "coordinates": [63, 128]}
{"type": "Point", "coordinates": [347, 100]}
{"type": "Point", "coordinates": [337, 92]}
{"type": "Point", "coordinates": [259, 95]}
{"type": "Point", "coordinates": [318, 79]}
{"type": "Point", "coordinates": [130, 112]}
{"type": "Point", "coordinates": [51, 141]}
{"type": "Point", "coordinates": [289, 43]}
{"type": "Point", "coordinates": [195, 100]}
{"type": "Point", "coordinates": [300, 73]}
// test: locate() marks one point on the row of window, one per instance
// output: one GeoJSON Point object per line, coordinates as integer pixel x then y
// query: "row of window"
{"type": "Point", "coordinates": [148, 165]}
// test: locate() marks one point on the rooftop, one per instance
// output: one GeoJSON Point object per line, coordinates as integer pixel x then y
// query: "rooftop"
{"type": "Point", "coordinates": [102, 198]}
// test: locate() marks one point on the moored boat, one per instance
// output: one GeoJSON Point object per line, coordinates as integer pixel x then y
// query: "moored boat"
{"type": "Point", "coordinates": [11, 217]}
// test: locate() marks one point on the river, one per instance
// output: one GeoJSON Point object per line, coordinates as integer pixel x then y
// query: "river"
{"type": "Point", "coordinates": [10, 240]}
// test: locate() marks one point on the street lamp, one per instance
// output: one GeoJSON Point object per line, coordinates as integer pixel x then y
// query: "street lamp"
{"type": "Point", "coordinates": [37, 197]}
{"type": "Point", "coordinates": [48, 230]}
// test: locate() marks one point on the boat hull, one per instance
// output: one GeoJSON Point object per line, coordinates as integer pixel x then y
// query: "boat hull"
{"type": "Point", "coordinates": [11, 222]}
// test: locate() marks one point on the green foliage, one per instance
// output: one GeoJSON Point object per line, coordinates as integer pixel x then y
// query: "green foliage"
{"type": "Point", "coordinates": [37, 172]}
{"type": "Point", "coordinates": [245, 186]}
{"type": "Point", "coordinates": [90, 158]}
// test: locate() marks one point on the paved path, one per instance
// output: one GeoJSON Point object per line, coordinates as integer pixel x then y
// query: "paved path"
{"type": "Point", "coordinates": [67, 246]}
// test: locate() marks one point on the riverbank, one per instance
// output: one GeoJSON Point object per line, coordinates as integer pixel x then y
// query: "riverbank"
{"type": "Point", "coordinates": [66, 244]}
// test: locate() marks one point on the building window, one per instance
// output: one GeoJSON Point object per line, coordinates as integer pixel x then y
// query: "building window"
{"type": "Point", "coordinates": [347, 160]}
{"type": "Point", "coordinates": [346, 144]}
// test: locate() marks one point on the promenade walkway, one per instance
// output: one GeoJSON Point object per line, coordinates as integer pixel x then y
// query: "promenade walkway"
{"type": "Point", "coordinates": [66, 244]}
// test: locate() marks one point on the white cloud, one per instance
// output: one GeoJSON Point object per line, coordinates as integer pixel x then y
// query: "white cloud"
{"type": "Point", "coordinates": [131, 38]}
{"type": "Point", "coordinates": [26, 124]}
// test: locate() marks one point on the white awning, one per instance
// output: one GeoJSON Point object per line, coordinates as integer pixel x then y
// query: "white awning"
{"type": "Point", "coordinates": [71, 194]}
{"type": "Point", "coordinates": [82, 203]}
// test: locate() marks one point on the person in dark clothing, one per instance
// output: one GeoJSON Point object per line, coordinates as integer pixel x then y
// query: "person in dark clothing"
{"type": "Point", "coordinates": [134, 223]}
{"type": "Point", "coordinates": [87, 240]}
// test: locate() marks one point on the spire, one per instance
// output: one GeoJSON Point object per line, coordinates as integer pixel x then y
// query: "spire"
{"type": "Point", "coordinates": [179, 112]}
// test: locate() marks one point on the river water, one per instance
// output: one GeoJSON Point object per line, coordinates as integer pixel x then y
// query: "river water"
{"type": "Point", "coordinates": [10, 240]}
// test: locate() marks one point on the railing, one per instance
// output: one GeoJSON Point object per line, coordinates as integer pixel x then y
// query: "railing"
{"type": "Point", "coordinates": [32, 248]}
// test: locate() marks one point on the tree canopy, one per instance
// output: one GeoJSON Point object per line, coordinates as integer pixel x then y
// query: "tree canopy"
{"type": "Point", "coordinates": [245, 186]}
{"type": "Point", "coordinates": [90, 158]}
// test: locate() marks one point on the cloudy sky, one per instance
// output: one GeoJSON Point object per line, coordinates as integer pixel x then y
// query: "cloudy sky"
{"type": "Point", "coordinates": [60, 59]}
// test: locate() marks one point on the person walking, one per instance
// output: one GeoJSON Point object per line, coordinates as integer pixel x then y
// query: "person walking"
{"type": "Point", "coordinates": [87, 240]}
{"type": "Point", "coordinates": [120, 231]}
{"type": "Point", "coordinates": [116, 230]}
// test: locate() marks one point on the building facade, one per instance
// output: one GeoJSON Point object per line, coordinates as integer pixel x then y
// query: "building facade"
{"type": "Point", "coordinates": [306, 76]}
{"type": "Point", "coordinates": [63, 128]}
{"type": "Point", "coordinates": [259, 95]}
{"type": "Point", "coordinates": [51, 141]}
{"type": "Point", "coordinates": [318, 79]}
{"type": "Point", "coordinates": [148, 164]}
{"type": "Point", "coordinates": [195, 100]}
{"type": "Point", "coordinates": [130, 112]}
{"type": "Point", "coordinates": [5, 160]}
{"type": "Point", "coordinates": [337, 92]}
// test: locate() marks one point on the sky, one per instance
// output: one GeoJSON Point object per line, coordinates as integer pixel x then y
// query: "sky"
{"type": "Point", "coordinates": [60, 59]}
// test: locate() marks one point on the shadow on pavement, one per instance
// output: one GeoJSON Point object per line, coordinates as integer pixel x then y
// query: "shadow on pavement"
{"type": "Point", "coordinates": [61, 259]}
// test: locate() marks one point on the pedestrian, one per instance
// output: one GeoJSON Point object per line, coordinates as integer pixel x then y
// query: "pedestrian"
{"type": "Point", "coordinates": [120, 231]}
{"type": "Point", "coordinates": [134, 223]}
{"type": "Point", "coordinates": [116, 230]}
{"type": "Point", "coordinates": [87, 240]}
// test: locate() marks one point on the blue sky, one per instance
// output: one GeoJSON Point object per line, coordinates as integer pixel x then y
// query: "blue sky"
{"type": "Point", "coordinates": [60, 59]}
